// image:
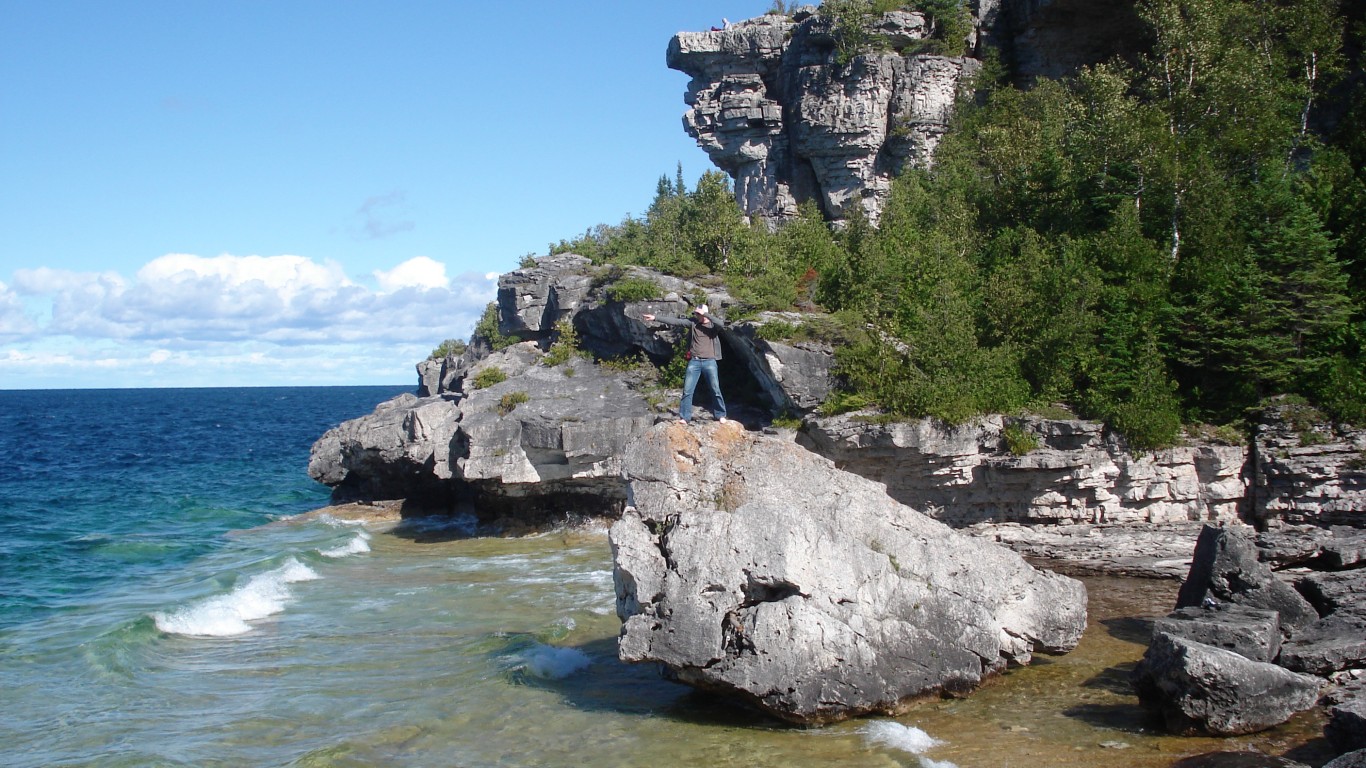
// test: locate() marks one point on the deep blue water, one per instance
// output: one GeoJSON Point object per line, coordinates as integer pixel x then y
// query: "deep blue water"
{"type": "Point", "coordinates": [99, 488]}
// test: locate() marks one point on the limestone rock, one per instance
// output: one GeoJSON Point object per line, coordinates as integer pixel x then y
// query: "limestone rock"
{"type": "Point", "coordinates": [772, 107]}
{"type": "Point", "coordinates": [1254, 633]}
{"type": "Point", "coordinates": [1309, 473]}
{"type": "Point", "coordinates": [543, 441]}
{"type": "Point", "coordinates": [1346, 727]}
{"type": "Point", "coordinates": [1334, 593]}
{"type": "Point", "coordinates": [532, 299]}
{"type": "Point", "coordinates": [1333, 643]}
{"type": "Point", "coordinates": [1200, 689]}
{"type": "Point", "coordinates": [1225, 568]}
{"type": "Point", "coordinates": [1355, 759]}
{"type": "Point", "coordinates": [1078, 473]}
{"type": "Point", "coordinates": [753, 567]}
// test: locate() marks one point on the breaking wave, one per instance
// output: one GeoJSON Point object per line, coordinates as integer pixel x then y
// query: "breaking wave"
{"type": "Point", "coordinates": [226, 615]}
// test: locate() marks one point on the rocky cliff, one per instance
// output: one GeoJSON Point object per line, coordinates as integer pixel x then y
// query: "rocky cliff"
{"type": "Point", "coordinates": [775, 106]}
{"type": "Point", "coordinates": [508, 430]}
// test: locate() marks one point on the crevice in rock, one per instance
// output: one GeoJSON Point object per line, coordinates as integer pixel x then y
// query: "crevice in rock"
{"type": "Point", "coordinates": [765, 589]}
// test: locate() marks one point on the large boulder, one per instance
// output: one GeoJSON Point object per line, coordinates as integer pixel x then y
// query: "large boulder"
{"type": "Point", "coordinates": [1197, 688]}
{"type": "Point", "coordinates": [753, 567]}
{"type": "Point", "coordinates": [1225, 568]}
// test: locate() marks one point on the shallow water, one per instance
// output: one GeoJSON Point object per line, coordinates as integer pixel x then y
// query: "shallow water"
{"type": "Point", "coordinates": [485, 652]}
{"type": "Point", "coordinates": [139, 628]}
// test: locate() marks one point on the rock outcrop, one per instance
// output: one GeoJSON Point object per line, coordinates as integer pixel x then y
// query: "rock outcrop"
{"type": "Point", "coordinates": [773, 107]}
{"type": "Point", "coordinates": [776, 105]}
{"type": "Point", "coordinates": [1225, 569]}
{"type": "Point", "coordinates": [1069, 472]}
{"type": "Point", "coordinates": [1077, 473]}
{"type": "Point", "coordinates": [751, 566]}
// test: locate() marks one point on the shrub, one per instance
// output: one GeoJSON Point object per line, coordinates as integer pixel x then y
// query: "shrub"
{"type": "Point", "coordinates": [489, 377]}
{"type": "Point", "coordinates": [1019, 441]}
{"type": "Point", "coordinates": [487, 329]}
{"type": "Point", "coordinates": [629, 289]}
{"type": "Point", "coordinates": [566, 344]}
{"type": "Point", "coordinates": [787, 421]}
{"type": "Point", "coordinates": [508, 402]}
{"type": "Point", "coordinates": [448, 348]}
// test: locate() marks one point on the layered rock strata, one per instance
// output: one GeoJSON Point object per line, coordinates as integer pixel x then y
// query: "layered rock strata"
{"type": "Point", "coordinates": [750, 566]}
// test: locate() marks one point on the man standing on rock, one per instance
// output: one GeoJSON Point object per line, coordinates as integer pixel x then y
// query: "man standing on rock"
{"type": "Point", "coordinates": [704, 349]}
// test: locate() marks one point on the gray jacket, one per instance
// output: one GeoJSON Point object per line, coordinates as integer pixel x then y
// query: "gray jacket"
{"type": "Point", "coordinates": [704, 341]}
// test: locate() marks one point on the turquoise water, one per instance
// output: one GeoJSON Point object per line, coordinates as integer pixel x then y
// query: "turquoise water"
{"type": "Point", "coordinates": [164, 603]}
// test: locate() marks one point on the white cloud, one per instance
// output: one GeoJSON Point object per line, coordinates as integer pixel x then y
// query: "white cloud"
{"type": "Point", "coordinates": [14, 321]}
{"type": "Point", "coordinates": [417, 272]}
{"type": "Point", "coordinates": [272, 318]}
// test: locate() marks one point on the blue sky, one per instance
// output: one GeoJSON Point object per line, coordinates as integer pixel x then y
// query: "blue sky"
{"type": "Point", "coordinates": [283, 192]}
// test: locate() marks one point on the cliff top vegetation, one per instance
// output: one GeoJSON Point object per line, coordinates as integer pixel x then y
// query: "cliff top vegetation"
{"type": "Point", "coordinates": [1150, 243]}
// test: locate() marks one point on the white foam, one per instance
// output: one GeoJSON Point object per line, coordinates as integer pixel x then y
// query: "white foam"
{"type": "Point", "coordinates": [226, 615]}
{"type": "Point", "coordinates": [906, 738]}
{"type": "Point", "coordinates": [551, 663]}
{"type": "Point", "coordinates": [358, 545]}
{"type": "Point", "coordinates": [925, 762]}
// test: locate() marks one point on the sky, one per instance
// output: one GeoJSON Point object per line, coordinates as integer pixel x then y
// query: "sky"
{"type": "Point", "coordinates": [295, 192]}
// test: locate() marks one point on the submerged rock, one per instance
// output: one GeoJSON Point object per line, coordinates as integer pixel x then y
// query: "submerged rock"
{"type": "Point", "coordinates": [753, 567]}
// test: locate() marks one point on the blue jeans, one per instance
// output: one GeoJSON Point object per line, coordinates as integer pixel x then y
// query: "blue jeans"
{"type": "Point", "coordinates": [698, 367]}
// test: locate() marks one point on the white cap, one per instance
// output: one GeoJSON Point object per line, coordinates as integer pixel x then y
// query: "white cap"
{"type": "Point", "coordinates": [700, 309]}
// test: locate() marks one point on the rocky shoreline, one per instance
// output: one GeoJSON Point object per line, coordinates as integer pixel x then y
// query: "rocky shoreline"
{"type": "Point", "coordinates": [537, 434]}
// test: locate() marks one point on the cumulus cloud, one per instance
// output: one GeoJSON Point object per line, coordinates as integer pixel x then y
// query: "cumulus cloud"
{"type": "Point", "coordinates": [418, 272]}
{"type": "Point", "coordinates": [236, 311]}
{"type": "Point", "coordinates": [14, 321]}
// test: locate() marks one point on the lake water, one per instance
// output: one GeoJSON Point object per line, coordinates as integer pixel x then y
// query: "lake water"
{"type": "Point", "coordinates": [164, 601]}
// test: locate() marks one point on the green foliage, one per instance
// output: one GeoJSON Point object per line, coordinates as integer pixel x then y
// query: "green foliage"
{"type": "Point", "coordinates": [671, 375]}
{"type": "Point", "coordinates": [565, 347]}
{"type": "Point", "coordinates": [447, 348]}
{"type": "Point", "coordinates": [488, 377]}
{"type": "Point", "coordinates": [508, 402]}
{"type": "Point", "coordinates": [487, 329]}
{"type": "Point", "coordinates": [1019, 441]}
{"type": "Point", "coordinates": [527, 261]}
{"type": "Point", "coordinates": [629, 289]}
{"type": "Point", "coordinates": [787, 421]}
{"type": "Point", "coordinates": [1154, 241]}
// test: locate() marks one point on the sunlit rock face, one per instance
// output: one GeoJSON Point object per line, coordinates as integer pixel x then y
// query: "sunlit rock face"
{"type": "Point", "coordinates": [749, 566]}
{"type": "Point", "coordinates": [774, 106]}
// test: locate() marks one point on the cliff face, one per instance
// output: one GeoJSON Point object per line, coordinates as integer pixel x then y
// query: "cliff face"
{"type": "Point", "coordinates": [774, 107]}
